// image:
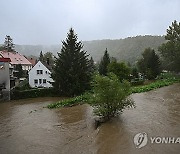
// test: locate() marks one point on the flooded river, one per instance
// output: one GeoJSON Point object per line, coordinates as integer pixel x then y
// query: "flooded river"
{"type": "Point", "coordinates": [26, 127]}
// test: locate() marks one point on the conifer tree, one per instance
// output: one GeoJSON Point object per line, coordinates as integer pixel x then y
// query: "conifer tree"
{"type": "Point", "coordinates": [104, 63]}
{"type": "Point", "coordinates": [8, 44]}
{"type": "Point", "coordinates": [170, 51]}
{"type": "Point", "coordinates": [92, 65]}
{"type": "Point", "coordinates": [41, 56]}
{"type": "Point", "coordinates": [149, 64]}
{"type": "Point", "coordinates": [71, 73]}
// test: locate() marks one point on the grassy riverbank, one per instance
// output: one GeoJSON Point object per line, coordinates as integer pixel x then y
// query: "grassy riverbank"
{"type": "Point", "coordinates": [135, 89]}
{"type": "Point", "coordinates": [154, 85]}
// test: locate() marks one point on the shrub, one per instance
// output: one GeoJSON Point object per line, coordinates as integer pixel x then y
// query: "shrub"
{"type": "Point", "coordinates": [70, 101]}
{"type": "Point", "coordinates": [136, 82]}
{"type": "Point", "coordinates": [154, 85]}
{"type": "Point", "coordinates": [24, 85]}
{"type": "Point", "coordinates": [17, 94]}
{"type": "Point", "coordinates": [110, 96]}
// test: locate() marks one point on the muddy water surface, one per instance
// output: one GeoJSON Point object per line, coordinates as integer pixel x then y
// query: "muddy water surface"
{"type": "Point", "coordinates": [27, 127]}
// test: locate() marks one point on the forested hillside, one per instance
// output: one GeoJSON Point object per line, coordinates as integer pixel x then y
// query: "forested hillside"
{"type": "Point", "coordinates": [128, 49]}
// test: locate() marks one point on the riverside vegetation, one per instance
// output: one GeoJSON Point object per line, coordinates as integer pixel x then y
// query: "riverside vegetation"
{"type": "Point", "coordinates": [109, 91]}
{"type": "Point", "coordinates": [109, 94]}
{"type": "Point", "coordinates": [164, 79]}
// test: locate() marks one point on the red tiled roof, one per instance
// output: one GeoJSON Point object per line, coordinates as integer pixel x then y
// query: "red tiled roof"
{"type": "Point", "coordinates": [32, 61]}
{"type": "Point", "coordinates": [5, 59]}
{"type": "Point", "coordinates": [15, 57]}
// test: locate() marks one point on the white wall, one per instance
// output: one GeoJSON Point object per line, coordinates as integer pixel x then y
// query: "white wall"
{"type": "Point", "coordinates": [33, 75]}
{"type": "Point", "coordinates": [5, 78]}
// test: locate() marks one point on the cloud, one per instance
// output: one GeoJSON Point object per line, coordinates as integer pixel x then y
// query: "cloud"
{"type": "Point", "coordinates": [48, 21]}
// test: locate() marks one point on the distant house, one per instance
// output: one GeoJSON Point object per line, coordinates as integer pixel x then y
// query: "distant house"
{"type": "Point", "coordinates": [39, 76]}
{"type": "Point", "coordinates": [32, 61]}
{"type": "Point", "coordinates": [16, 58]}
{"type": "Point", "coordinates": [4, 79]}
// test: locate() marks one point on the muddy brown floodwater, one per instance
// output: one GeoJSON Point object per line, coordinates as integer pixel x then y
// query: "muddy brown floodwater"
{"type": "Point", "coordinates": [28, 128]}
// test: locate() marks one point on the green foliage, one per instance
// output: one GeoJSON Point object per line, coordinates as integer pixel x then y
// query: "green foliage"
{"type": "Point", "coordinates": [137, 81]}
{"type": "Point", "coordinates": [24, 85]}
{"type": "Point", "coordinates": [165, 79]}
{"type": "Point", "coordinates": [103, 66]}
{"type": "Point", "coordinates": [154, 85]}
{"type": "Point", "coordinates": [92, 65]}
{"type": "Point", "coordinates": [70, 101]}
{"type": "Point", "coordinates": [134, 72]}
{"type": "Point", "coordinates": [120, 69]}
{"type": "Point", "coordinates": [2, 48]}
{"type": "Point", "coordinates": [72, 72]}
{"type": "Point", "coordinates": [170, 50]}
{"type": "Point", "coordinates": [110, 96]}
{"type": "Point", "coordinates": [149, 64]}
{"type": "Point", "coordinates": [49, 58]}
{"type": "Point", "coordinates": [41, 57]}
{"type": "Point", "coordinates": [168, 75]}
{"type": "Point", "coordinates": [8, 44]}
{"type": "Point", "coordinates": [45, 92]}
{"type": "Point", "coordinates": [127, 49]}
{"type": "Point", "coordinates": [20, 72]}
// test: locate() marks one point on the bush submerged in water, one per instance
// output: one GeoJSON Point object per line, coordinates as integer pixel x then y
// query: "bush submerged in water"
{"type": "Point", "coordinates": [110, 96]}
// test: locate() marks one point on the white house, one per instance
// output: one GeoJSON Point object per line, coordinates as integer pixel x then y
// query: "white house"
{"type": "Point", "coordinates": [39, 76]}
{"type": "Point", "coordinates": [4, 79]}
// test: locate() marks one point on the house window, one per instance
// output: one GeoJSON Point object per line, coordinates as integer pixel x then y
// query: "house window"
{"type": "Point", "coordinates": [39, 71]}
{"type": "Point", "coordinates": [1, 65]}
{"type": "Point", "coordinates": [44, 81]}
{"type": "Point", "coordinates": [35, 81]}
{"type": "Point", "coordinates": [40, 81]}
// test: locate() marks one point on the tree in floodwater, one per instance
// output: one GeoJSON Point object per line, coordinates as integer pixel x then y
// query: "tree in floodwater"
{"type": "Point", "coordinates": [110, 96]}
{"type": "Point", "coordinates": [170, 50]}
{"type": "Point", "coordinates": [72, 71]}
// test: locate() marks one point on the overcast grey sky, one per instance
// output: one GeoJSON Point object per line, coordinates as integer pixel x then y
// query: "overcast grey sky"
{"type": "Point", "coordinates": [48, 21]}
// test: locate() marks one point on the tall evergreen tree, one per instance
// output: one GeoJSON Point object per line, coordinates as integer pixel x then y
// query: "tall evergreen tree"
{"type": "Point", "coordinates": [49, 58]}
{"type": "Point", "coordinates": [104, 63]}
{"type": "Point", "coordinates": [8, 44]}
{"type": "Point", "coordinates": [41, 56]}
{"type": "Point", "coordinates": [149, 64]}
{"type": "Point", "coordinates": [170, 50]}
{"type": "Point", "coordinates": [92, 65]}
{"type": "Point", "coordinates": [71, 73]}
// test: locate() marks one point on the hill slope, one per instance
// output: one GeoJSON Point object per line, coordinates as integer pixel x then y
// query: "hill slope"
{"type": "Point", "coordinates": [128, 49]}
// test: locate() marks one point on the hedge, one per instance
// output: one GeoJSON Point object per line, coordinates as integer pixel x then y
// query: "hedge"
{"type": "Point", "coordinates": [32, 93]}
